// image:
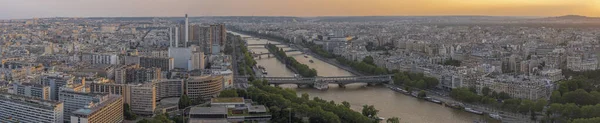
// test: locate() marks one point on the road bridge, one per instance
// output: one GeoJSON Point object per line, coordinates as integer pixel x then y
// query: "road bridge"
{"type": "Point", "coordinates": [322, 82]}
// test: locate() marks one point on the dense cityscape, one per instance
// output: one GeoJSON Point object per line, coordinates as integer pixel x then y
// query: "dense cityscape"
{"type": "Point", "coordinates": [258, 69]}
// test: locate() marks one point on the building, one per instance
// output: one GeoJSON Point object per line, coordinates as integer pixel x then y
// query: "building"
{"type": "Point", "coordinates": [55, 81]}
{"type": "Point", "coordinates": [141, 98]}
{"type": "Point", "coordinates": [164, 63]}
{"type": "Point", "coordinates": [17, 108]}
{"type": "Point", "coordinates": [203, 87]}
{"type": "Point", "coordinates": [523, 87]}
{"type": "Point", "coordinates": [181, 57]}
{"type": "Point", "coordinates": [229, 110]}
{"type": "Point", "coordinates": [552, 74]}
{"type": "Point", "coordinates": [197, 61]}
{"type": "Point", "coordinates": [218, 35]}
{"type": "Point", "coordinates": [166, 88]}
{"type": "Point", "coordinates": [105, 87]}
{"type": "Point", "coordinates": [109, 110]}
{"type": "Point", "coordinates": [208, 115]}
{"type": "Point", "coordinates": [99, 58]}
{"type": "Point", "coordinates": [133, 73]}
{"type": "Point", "coordinates": [73, 100]}
{"type": "Point", "coordinates": [31, 90]}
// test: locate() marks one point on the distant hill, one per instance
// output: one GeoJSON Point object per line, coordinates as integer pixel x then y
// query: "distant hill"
{"type": "Point", "coordinates": [572, 17]}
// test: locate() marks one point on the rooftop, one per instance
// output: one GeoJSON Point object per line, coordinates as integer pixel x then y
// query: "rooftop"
{"type": "Point", "coordinates": [227, 100]}
{"type": "Point", "coordinates": [257, 109]}
{"type": "Point", "coordinates": [208, 110]}
{"type": "Point", "coordinates": [88, 110]}
{"type": "Point", "coordinates": [34, 102]}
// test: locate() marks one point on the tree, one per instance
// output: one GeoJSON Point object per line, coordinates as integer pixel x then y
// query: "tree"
{"type": "Point", "coordinates": [503, 96]}
{"type": "Point", "coordinates": [539, 105]}
{"type": "Point", "coordinates": [421, 84]}
{"type": "Point", "coordinates": [580, 97]}
{"type": "Point", "coordinates": [346, 104]}
{"type": "Point", "coordinates": [473, 89]}
{"type": "Point", "coordinates": [556, 97]}
{"type": "Point", "coordinates": [178, 119]}
{"type": "Point", "coordinates": [526, 106]}
{"type": "Point", "coordinates": [184, 101]}
{"type": "Point", "coordinates": [129, 115]}
{"type": "Point", "coordinates": [393, 120]}
{"type": "Point", "coordinates": [370, 111]}
{"type": "Point", "coordinates": [485, 91]}
{"type": "Point", "coordinates": [422, 94]}
{"type": "Point", "coordinates": [229, 93]}
{"type": "Point", "coordinates": [368, 60]}
{"type": "Point", "coordinates": [305, 96]}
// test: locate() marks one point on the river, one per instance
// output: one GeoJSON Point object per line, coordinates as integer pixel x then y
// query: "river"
{"type": "Point", "coordinates": [388, 102]}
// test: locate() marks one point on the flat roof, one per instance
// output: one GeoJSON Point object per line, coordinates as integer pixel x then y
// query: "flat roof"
{"type": "Point", "coordinates": [87, 111]}
{"type": "Point", "coordinates": [205, 120]}
{"type": "Point", "coordinates": [227, 100]}
{"type": "Point", "coordinates": [257, 108]}
{"type": "Point", "coordinates": [208, 110]}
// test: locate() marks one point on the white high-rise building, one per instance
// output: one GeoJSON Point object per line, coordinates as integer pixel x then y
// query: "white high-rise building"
{"type": "Point", "coordinates": [187, 30]}
{"type": "Point", "coordinates": [17, 108]}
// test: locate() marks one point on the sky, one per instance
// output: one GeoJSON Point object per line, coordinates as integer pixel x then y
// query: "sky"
{"type": "Point", "coordinates": [23, 9]}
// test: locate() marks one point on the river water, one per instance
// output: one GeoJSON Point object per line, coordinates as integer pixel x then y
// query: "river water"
{"type": "Point", "coordinates": [388, 102]}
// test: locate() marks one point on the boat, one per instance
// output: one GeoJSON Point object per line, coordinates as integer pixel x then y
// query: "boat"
{"type": "Point", "coordinates": [453, 105]}
{"type": "Point", "coordinates": [496, 116]}
{"type": "Point", "coordinates": [311, 61]}
{"type": "Point", "coordinates": [305, 56]}
{"type": "Point", "coordinates": [414, 94]}
{"type": "Point", "coordinates": [435, 101]}
{"type": "Point", "coordinates": [264, 71]}
{"type": "Point", "coordinates": [473, 111]}
{"type": "Point", "coordinates": [380, 118]}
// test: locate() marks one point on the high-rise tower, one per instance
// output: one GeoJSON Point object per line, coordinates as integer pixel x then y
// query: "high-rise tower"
{"type": "Point", "coordinates": [187, 30]}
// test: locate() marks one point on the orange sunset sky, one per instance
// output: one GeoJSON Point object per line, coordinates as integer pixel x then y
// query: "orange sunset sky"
{"type": "Point", "coordinates": [10, 9]}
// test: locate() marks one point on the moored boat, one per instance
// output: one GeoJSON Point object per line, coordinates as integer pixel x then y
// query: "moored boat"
{"type": "Point", "coordinates": [473, 111]}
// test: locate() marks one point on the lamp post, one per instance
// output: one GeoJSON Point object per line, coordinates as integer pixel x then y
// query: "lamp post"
{"type": "Point", "coordinates": [290, 115]}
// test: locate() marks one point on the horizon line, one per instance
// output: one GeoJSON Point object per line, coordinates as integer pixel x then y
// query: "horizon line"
{"type": "Point", "coordinates": [295, 16]}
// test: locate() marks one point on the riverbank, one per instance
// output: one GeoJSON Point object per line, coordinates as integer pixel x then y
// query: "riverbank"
{"type": "Point", "coordinates": [389, 103]}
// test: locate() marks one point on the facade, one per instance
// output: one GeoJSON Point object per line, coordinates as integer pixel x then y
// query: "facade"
{"type": "Point", "coordinates": [99, 58]}
{"type": "Point", "coordinates": [109, 110]}
{"type": "Point", "coordinates": [73, 100]}
{"type": "Point", "coordinates": [135, 74]}
{"type": "Point", "coordinates": [55, 81]}
{"type": "Point", "coordinates": [166, 88]}
{"type": "Point", "coordinates": [111, 88]}
{"type": "Point", "coordinates": [17, 108]}
{"type": "Point", "coordinates": [31, 90]}
{"type": "Point", "coordinates": [197, 61]}
{"type": "Point", "coordinates": [141, 98]}
{"type": "Point", "coordinates": [164, 63]}
{"type": "Point", "coordinates": [522, 87]}
{"type": "Point", "coordinates": [218, 35]}
{"type": "Point", "coordinates": [579, 63]}
{"type": "Point", "coordinates": [203, 87]}
{"type": "Point", "coordinates": [181, 57]}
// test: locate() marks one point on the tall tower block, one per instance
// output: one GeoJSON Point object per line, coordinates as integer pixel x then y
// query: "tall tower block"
{"type": "Point", "coordinates": [187, 30]}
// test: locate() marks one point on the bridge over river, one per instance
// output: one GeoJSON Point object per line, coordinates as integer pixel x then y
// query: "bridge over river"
{"type": "Point", "coordinates": [323, 82]}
